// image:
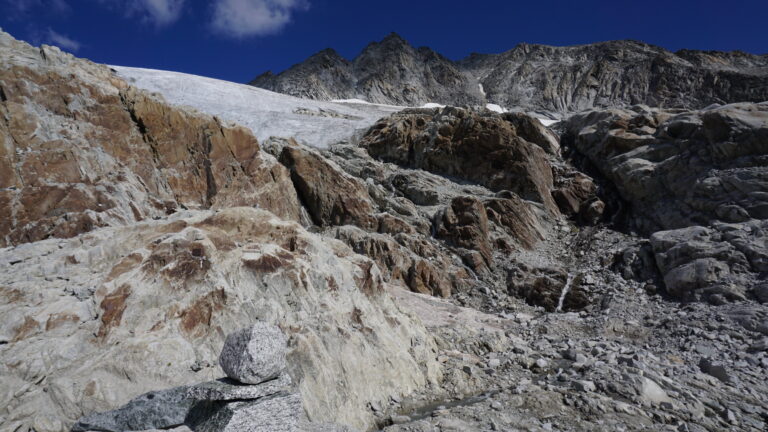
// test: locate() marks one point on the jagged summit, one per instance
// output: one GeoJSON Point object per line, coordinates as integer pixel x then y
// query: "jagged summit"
{"type": "Point", "coordinates": [531, 76]}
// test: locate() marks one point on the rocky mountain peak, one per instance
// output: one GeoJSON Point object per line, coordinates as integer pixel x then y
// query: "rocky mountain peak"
{"type": "Point", "coordinates": [536, 77]}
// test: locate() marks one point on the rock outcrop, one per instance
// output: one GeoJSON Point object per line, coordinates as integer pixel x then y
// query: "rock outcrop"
{"type": "Point", "coordinates": [82, 149]}
{"type": "Point", "coordinates": [148, 306]}
{"type": "Point", "coordinates": [128, 248]}
{"type": "Point", "coordinates": [530, 76]}
{"type": "Point", "coordinates": [464, 224]}
{"type": "Point", "coordinates": [677, 169]}
{"type": "Point", "coordinates": [721, 263]}
{"type": "Point", "coordinates": [331, 196]}
{"type": "Point", "coordinates": [698, 180]}
{"type": "Point", "coordinates": [501, 152]}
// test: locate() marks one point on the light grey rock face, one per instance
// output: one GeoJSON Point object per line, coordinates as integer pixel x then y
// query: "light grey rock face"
{"type": "Point", "coordinates": [154, 410]}
{"type": "Point", "coordinates": [719, 263]}
{"type": "Point", "coordinates": [534, 77]}
{"type": "Point", "coordinates": [190, 310]}
{"type": "Point", "coordinates": [255, 354]}
{"type": "Point", "coordinates": [272, 414]}
{"type": "Point", "coordinates": [678, 169]}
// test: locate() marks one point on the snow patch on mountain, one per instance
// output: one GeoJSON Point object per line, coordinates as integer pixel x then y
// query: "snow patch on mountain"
{"type": "Point", "coordinates": [495, 108]}
{"type": "Point", "coordinates": [266, 113]}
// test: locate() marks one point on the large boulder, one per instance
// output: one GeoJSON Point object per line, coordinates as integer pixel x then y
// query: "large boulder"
{"type": "Point", "coordinates": [254, 354]}
{"type": "Point", "coordinates": [719, 263]}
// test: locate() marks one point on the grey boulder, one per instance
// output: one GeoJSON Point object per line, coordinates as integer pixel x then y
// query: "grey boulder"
{"type": "Point", "coordinates": [280, 413]}
{"type": "Point", "coordinates": [255, 354]}
{"type": "Point", "coordinates": [226, 389]}
{"type": "Point", "coordinates": [163, 409]}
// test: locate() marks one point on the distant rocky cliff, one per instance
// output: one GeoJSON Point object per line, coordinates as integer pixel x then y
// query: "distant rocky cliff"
{"type": "Point", "coordinates": [533, 77]}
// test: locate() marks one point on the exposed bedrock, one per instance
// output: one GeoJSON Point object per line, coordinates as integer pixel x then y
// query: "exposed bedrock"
{"type": "Point", "coordinates": [81, 149]}
{"type": "Point", "coordinates": [677, 169]}
{"type": "Point", "coordinates": [500, 152]}
{"type": "Point", "coordinates": [697, 181]}
{"type": "Point", "coordinates": [132, 257]}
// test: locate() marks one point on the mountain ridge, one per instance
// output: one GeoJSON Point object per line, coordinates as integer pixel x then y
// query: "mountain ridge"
{"type": "Point", "coordinates": [536, 77]}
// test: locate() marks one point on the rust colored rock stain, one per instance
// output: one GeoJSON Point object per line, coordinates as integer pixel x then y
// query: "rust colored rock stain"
{"type": "Point", "coordinates": [368, 283]}
{"type": "Point", "coordinates": [125, 265]}
{"type": "Point", "coordinates": [12, 295]}
{"type": "Point", "coordinates": [357, 321]}
{"type": "Point", "coordinates": [58, 319]}
{"type": "Point", "coordinates": [197, 317]}
{"type": "Point", "coordinates": [268, 263]}
{"type": "Point", "coordinates": [112, 308]}
{"type": "Point", "coordinates": [29, 327]}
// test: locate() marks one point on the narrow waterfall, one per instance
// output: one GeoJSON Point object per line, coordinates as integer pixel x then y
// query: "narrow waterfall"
{"type": "Point", "coordinates": [564, 293]}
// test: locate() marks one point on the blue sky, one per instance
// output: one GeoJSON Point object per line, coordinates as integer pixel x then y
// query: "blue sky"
{"type": "Point", "coordinates": [238, 39]}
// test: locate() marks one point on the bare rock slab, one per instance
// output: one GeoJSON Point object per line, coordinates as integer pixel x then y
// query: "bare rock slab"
{"type": "Point", "coordinates": [226, 389]}
{"type": "Point", "coordinates": [281, 413]}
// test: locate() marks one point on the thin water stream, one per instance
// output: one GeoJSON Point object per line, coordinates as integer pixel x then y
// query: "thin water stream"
{"type": "Point", "coordinates": [564, 293]}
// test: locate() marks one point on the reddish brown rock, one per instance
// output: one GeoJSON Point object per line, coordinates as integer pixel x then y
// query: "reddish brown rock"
{"type": "Point", "coordinates": [417, 265]}
{"type": "Point", "coordinates": [80, 149]}
{"type": "Point", "coordinates": [485, 148]}
{"type": "Point", "coordinates": [516, 218]}
{"type": "Point", "coordinates": [332, 197]}
{"type": "Point", "coordinates": [464, 224]}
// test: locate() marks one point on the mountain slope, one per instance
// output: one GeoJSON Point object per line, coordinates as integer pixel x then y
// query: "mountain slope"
{"type": "Point", "coordinates": [533, 77]}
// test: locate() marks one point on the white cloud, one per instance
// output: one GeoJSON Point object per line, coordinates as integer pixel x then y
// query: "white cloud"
{"type": "Point", "coordinates": [243, 18]}
{"type": "Point", "coordinates": [62, 41]}
{"type": "Point", "coordinates": [159, 12]}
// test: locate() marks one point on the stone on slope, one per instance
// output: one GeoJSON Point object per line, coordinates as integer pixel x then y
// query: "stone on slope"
{"type": "Point", "coordinates": [254, 354]}
{"type": "Point", "coordinates": [162, 409]}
